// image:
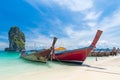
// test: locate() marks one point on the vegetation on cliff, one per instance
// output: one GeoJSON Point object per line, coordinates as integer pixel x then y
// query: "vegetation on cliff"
{"type": "Point", "coordinates": [16, 39]}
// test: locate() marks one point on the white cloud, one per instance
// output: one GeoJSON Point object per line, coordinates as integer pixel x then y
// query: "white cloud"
{"type": "Point", "coordinates": [36, 4]}
{"type": "Point", "coordinates": [110, 24]}
{"type": "Point", "coordinates": [75, 33]}
{"type": "Point", "coordinates": [36, 40]}
{"type": "Point", "coordinates": [33, 3]}
{"type": "Point", "coordinates": [91, 18]}
{"type": "Point", "coordinates": [92, 15]}
{"type": "Point", "coordinates": [74, 5]}
{"type": "Point", "coordinates": [92, 24]}
{"type": "Point", "coordinates": [75, 39]}
{"type": "Point", "coordinates": [38, 43]}
{"type": "Point", "coordinates": [78, 38]}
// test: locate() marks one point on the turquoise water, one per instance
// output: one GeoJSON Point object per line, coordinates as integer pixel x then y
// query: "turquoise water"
{"type": "Point", "coordinates": [11, 64]}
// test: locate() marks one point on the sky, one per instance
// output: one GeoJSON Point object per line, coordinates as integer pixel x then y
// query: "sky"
{"type": "Point", "coordinates": [73, 22]}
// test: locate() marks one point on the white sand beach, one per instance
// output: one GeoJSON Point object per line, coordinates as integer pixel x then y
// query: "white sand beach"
{"type": "Point", "coordinates": [107, 69]}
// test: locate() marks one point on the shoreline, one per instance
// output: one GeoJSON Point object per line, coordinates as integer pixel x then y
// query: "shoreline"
{"type": "Point", "coordinates": [107, 69]}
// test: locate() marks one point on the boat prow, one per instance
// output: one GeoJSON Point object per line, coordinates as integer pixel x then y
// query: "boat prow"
{"type": "Point", "coordinates": [41, 56]}
{"type": "Point", "coordinates": [77, 55]}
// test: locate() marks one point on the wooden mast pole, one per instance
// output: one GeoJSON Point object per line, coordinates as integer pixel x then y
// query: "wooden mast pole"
{"type": "Point", "coordinates": [52, 48]}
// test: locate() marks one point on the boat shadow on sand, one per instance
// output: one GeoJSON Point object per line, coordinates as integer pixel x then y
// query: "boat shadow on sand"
{"type": "Point", "coordinates": [50, 64]}
{"type": "Point", "coordinates": [90, 68]}
{"type": "Point", "coordinates": [95, 67]}
{"type": "Point", "coordinates": [78, 64]}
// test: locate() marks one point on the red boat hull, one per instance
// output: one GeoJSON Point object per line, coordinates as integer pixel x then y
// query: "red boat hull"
{"type": "Point", "coordinates": [77, 55]}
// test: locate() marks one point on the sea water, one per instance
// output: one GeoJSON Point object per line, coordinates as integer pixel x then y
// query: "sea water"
{"type": "Point", "coordinates": [11, 64]}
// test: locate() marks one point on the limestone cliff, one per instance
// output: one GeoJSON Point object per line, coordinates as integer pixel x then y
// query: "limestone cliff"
{"type": "Point", "coordinates": [16, 39]}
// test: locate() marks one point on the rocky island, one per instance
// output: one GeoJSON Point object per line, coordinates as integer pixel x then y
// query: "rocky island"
{"type": "Point", "coordinates": [16, 39]}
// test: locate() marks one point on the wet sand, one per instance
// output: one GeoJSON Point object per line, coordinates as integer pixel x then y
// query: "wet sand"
{"type": "Point", "coordinates": [106, 69]}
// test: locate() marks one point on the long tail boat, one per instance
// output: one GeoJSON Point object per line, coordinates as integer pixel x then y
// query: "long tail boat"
{"type": "Point", "coordinates": [41, 56]}
{"type": "Point", "coordinates": [77, 55]}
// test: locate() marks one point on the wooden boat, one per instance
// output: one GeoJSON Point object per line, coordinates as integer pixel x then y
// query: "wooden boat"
{"type": "Point", "coordinates": [100, 52]}
{"type": "Point", "coordinates": [77, 55]}
{"type": "Point", "coordinates": [41, 56]}
{"type": "Point", "coordinates": [114, 51]}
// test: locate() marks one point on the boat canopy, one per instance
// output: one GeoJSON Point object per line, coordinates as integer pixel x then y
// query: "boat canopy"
{"type": "Point", "coordinates": [60, 48]}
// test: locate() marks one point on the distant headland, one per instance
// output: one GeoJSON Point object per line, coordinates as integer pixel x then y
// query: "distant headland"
{"type": "Point", "coordinates": [16, 39]}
